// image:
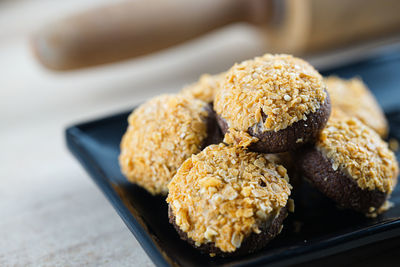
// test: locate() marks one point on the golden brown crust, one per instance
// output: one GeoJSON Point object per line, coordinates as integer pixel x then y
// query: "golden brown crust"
{"type": "Point", "coordinates": [291, 138]}
{"type": "Point", "coordinates": [162, 134]}
{"type": "Point", "coordinates": [205, 88]}
{"type": "Point", "coordinates": [282, 88]}
{"type": "Point", "coordinates": [225, 193]}
{"type": "Point", "coordinates": [360, 153]}
{"type": "Point", "coordinates": [354, 99]}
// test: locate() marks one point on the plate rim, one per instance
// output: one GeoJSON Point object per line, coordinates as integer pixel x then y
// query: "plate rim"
{"type": "Point", "coordinates": [76, 148]}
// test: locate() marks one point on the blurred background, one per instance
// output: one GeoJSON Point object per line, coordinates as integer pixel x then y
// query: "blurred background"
{"type": "Point", "coordinates": [64, 62]}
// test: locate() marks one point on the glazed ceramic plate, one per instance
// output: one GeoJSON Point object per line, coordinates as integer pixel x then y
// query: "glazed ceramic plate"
{"type": "Point", "coordinates": [316, 229]}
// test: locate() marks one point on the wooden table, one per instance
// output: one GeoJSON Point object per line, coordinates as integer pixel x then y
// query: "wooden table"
{"type": "Point", "coordinates": [51, 212]}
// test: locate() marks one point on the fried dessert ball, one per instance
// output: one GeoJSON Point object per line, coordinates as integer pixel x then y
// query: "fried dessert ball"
{"type": "Point", "coordinates": [228, 201]}
{"type": "Point", "coordinates": [272, 104]}
{"type": "Point", "coordinates": [162, 134]}
{"type": "Point", "coordinates": [352, 165]}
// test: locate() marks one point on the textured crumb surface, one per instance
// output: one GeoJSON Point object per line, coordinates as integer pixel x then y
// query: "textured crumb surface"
{"type": "Point", "coordinates": [338, 114]}
{"type": "Point", "coordinates": [280, 88]}
{"type": "Point", "coordinates": [354, 99]}
{"type": "Point", "coordinates": [291, 138]}
{"type": "Point", "coordinates": [162, 133]}
{"type": "Point", "coordinates": [225, 193]}
{"type": "Point", "coordinates": [239, 138]}
{"type": "Point", "coordinates": [289, 161]}
{"type": "Point", "coordinates": [359, 152]}
{"type": "Point", "coordinates": [205, 88]}
{"type": "Point", "coordinates": [337, 185]}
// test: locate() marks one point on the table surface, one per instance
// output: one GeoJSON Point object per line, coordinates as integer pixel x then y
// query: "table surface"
{"type": "Point", "coordinates": [52, 213]}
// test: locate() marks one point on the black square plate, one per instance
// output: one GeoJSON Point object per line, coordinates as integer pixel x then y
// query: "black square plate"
{"type": "Point", "coordinates": [316, 229]}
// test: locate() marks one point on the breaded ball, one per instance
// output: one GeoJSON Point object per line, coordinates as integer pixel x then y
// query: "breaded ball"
{"type": "Point", "coordinates": [228, 201]}
{"type": "Point", "coordinates": [272, 104]}
{"type": "Point", "coordinates": [352, 165]}
{"type": "Point", "coordinates": [162, 134]}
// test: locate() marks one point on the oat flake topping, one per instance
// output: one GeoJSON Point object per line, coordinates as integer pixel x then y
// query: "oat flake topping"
{"type": "Point", "coordinates": [224, 193]}
{"type": "Point", "coordinates": [205, 88]}
{"type": "Point", "coordinates": [358, 151]}
{"type": "Point", "coordinates": [162, 134]}
{"type": "Point", "coordinates": [354, 98]}
{"type": "Point", "coordinates": [282, 87]}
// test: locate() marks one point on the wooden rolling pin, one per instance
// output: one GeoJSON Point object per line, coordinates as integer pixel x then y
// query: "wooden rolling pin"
{"type": "Point", "coordinates": [134, 28]}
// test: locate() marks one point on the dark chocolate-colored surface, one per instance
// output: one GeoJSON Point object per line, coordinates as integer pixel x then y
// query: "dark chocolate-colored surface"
{"type": "Point", "coordinates": [214, 134]}
{"type": "Point", "coordinates": [287, 139]}
{"type": "Point", "coordinates": [250, 244]}
{"type": "Point", "coordinates": [316, 230]}
{"type": "Point", "coordinates": [317, 168]}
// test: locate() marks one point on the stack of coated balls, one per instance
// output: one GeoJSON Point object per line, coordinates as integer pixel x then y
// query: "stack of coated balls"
{"type": "Point", "coordinates": [229, 150]}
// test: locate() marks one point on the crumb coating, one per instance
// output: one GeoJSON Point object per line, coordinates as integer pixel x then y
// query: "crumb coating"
{"type": "Point", "coordinates": [270, 92]}
{"type": "Point", "coordinates": [360, 153]}
{"type": "Point", "coordinates": [224, 194]}
{"type": "Point", "coordinates": [354, 99]}
{"type": "Point", "coordinates": [205, 88]}
{"type": "Point", "coordinates": [162, 133]}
